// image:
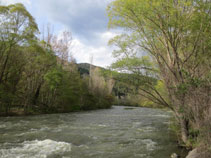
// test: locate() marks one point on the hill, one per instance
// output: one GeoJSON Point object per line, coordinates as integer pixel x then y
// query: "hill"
{"type": "Point", "coordinates": [84, 68]}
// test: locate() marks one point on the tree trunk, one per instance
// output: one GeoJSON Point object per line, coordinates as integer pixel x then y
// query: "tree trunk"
{"type": "Point", "coordinates": [184, 130]}
{"type": "Point", "coordinates": [37, 94]}
{"type": "Point", "coordinates": [3, 69]}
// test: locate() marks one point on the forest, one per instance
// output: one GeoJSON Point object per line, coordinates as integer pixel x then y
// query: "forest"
{"type": "Point", "coordinates": [37, 73]}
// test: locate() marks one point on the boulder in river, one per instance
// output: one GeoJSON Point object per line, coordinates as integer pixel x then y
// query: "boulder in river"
{"type": "Point", "coordinates": [174, 155]}
{"type": "Point", "coordinates": [193, 154]}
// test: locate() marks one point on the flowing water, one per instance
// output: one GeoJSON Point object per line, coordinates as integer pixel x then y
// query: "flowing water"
{"type": "Point", "coordinates": [119, 132]}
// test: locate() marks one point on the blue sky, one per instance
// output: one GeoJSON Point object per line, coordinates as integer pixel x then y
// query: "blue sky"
{"type": "Point", "coordinates": [86, 19]}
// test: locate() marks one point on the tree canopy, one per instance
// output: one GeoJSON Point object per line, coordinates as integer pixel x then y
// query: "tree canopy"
{"type": "Point", "coordinates": [176, 36]}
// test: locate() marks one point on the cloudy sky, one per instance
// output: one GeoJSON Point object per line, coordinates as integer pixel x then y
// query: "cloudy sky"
{"type": "Point", "coordinates": [86, 19]}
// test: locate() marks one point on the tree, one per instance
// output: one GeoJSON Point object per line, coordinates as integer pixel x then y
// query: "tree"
{"type": "Point", "coordinates": [176, 34]}
{"type": "Point", "coordinates": [101, 86]}
{"type": "Point", "coordinates": [17, 27]}
{"type": "Point", "coordinates": [39, 75]}
{"type": "Point", "coordinates": [144, 74]}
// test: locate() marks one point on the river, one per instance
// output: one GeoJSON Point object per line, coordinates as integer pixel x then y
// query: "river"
{"type": "Point", "coordinates": [119, 132]}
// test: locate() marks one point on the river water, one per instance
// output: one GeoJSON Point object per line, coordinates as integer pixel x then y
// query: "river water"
{"type": "Point", "coordinates": [119, 132]}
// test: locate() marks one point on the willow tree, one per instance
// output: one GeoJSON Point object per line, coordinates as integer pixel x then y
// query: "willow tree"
{"type": "Point", "coordinates": [177, 35]}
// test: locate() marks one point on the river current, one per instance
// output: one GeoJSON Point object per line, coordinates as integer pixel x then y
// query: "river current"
{"type": "Point", "coordinates": [119, 132]}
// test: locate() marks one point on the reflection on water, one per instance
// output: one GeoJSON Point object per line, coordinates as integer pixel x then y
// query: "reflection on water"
{"type": "Point", "coordinates": [114, 133]}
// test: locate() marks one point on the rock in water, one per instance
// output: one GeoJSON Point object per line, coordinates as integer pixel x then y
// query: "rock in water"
{"type": "Point", "coordinates": [193, 154]}
{"type": "Point", "coordinates": [174, 155]}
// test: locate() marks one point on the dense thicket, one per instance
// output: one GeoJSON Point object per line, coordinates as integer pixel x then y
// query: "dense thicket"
{"type": "Point", "coordinates": [39, 75]}
{"type": "Point", "coordinates": [176, 35]}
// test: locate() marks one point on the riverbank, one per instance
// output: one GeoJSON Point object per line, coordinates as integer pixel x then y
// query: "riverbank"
{"type": "Point", "coordinates": [16, 112]}
{"type": "Point", "coordinates": [22, 112]}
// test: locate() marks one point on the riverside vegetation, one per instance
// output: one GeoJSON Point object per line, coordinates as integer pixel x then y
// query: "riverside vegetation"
{"type": "Point", "coordinates": [38, 75]}
{"type": "Point", "coordinates": [175, 36]}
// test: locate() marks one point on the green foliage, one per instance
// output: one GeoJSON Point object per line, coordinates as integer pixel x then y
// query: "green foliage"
{"type": "Point", "coordinates": [135, 64]}
{"type": "Point", "coordinates": [34, 78]}
{"type": "Point", "coordinates": [176, 36]}
{"type": "Point", "coordinates": [17, 24]}
{"type": "Point", "coordinates": [147, 103]}
{"type": "Point", "coordinates": [53, 78]}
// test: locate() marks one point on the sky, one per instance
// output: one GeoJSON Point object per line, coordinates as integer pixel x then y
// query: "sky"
{"type": "Point", "coordinates": [85, 19]}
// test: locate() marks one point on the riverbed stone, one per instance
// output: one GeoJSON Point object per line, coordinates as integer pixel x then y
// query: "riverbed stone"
{"type": "Point", "coordinates": [193, 154]}
{"type": "Point", "coordinates": [174, 155]}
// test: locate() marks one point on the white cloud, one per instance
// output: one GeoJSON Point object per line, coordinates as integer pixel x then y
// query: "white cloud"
{"type": "Point", "coordinates": [102, 55]}
{"type": "Point", "coordinates": [87, 21]}
{"type": "Point", "coordinates": [108, 35]}
{"type": "Point", "coordinates": [84, 18]}
{"type": "Point", "coordinates": [6, 2]}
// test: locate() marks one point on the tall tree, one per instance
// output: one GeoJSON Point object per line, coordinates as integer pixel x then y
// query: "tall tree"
{"type": "Point", "coordinates": [17, 27]}
{"type": "Point", "coordinates": [177, 35]}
